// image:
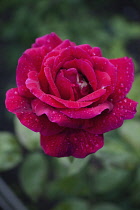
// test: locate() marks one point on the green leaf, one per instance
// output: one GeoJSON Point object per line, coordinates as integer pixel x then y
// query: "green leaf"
{"type": "Point", "coordinates": [10, 151]}
{"type": "Point", "coordinates": [106, 206]}
{"type": "Point", "coordinates": [61, 166]}
{"type": "Point", "coordinates": [77, 165]}
{"type": "Point", "coordinates": [33, 175]}
{"type": "Point", "coordinates": [65, 167]}
{"type": "Point", "coordinates": [135, 188]}
{"type": "Point", "coordinates": [72, 204]}
{"type": "Point", "coordinates": [29, 139]}
{"type": "Point", "coordinates": [69, 186]}
{"type": "Point", "coordinates": [130, 131]}
{"type": "Point", "coordinates": [110, 179]}
{"type": "Point", "coordinates": [117, 153]}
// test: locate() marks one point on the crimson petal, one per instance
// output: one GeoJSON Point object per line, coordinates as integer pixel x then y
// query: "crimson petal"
{"type": "Point", "coordinates": [33, 85]}
{"type": "Point", "coordinates": [125, 77]}
{"type": "Point", "coordinates": [87, 113]}
{"type": "Point", "coordinates": [31, 60]}
{"type": "Point", "coordinates": [22, 108]}
{"type": "Point", "coordinates": [93, 51]}
{"type": "Point", "coordinates": [104, 81]}
{"type": "Point", "coordinates": [125, 109]}
{"type": "Point", "coordinates": [103, 64]}
{"type": "Point", "coordinates": [71, 53]}
{"type": "Point", "coordinates": [66, 43]}
{"type": "Point", "coordinates": [39, 124]}
{"type": "Point", "coordinates": [49, 77]}
{"type": "Point", "coordinates": [61, 82]}
{"type": "Point", "coordinates": [93, 96]}
{"type": "Point", "coordinates": [15, 103]}
{"type": "Point", "coordinates": [96, 51]}
{"type": "Point", "coordinates": [85, 68]}
{"type": "Point", "coordinates": [49, 40]}
{"type": "Point", "coordinates": [71, 142]}
{"type": "Point", "coordinates": [54, 115]}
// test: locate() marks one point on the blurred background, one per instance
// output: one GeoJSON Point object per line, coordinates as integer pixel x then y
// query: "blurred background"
{"type": "Point", "coordinates": [107, 180]}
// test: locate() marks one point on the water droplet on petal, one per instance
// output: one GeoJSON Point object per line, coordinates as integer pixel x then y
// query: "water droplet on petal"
{"type": "Point", "coordinates": [122, 85]}
{"type": "Point", "coordinates": [126, 89]}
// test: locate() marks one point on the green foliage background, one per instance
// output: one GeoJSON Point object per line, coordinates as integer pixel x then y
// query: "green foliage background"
{"type": "Point", "coordinates": [107, 180]}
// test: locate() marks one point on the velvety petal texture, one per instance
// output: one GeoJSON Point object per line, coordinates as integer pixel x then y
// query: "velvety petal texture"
{"type": "Point", "coordinates": [72, 142]}
{"type": "Point", "coordinates": [71, 94]}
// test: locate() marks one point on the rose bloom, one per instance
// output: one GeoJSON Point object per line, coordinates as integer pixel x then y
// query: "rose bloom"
{"type": "Point", "coordinates": [71, 95]}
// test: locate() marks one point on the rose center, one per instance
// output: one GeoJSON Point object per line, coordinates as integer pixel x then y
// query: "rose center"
{"type": "Point", "coordinates": [79, 84]}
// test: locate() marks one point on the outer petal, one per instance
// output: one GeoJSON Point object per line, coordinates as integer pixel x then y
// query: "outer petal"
{"type": "Point", "coordinates": [66, 43]}
{"type": "Point", "coordinates": [125, 109]}
{"type": "Point", "coordinates": [96, 51]}
{"type": "Point", "coordinates": [49, 40]}
{"type": "Point", "coordinates": [15, 103]}
{"type": "Point", "coordinates": [22, 108]}
{"type": "Point", "coordinates": [31, 60]}
{"type": "Point", "coordinates": [54, 115]}
{"type": "Point", "coordinates": [39, 124]}
{"type": "Point", "coordinates": [24, 91]}
{"type": "Point", "coordinates": [77, 143]}
{"type": "Point", "coordinates": [85, 47]}
{"type": "Point", "coordinates": [93, 51]}
{"type": "Point", "coordinates": [125, 77]}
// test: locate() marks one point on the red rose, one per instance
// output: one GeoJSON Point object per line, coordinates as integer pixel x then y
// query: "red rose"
{"type": "Point", "coordinates": [71, 95]}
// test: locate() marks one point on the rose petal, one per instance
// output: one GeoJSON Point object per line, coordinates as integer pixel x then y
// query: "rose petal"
{"type": "Point", "coordinates": [39, 124]}
{"type": "Point", "coordinates": [125, 109]}
{"type": "Point", "coordinates": [15, 103]}
{"type": "Point", "coordinates": [71, 142]}
{"type": "Point", "coordinates": [85, 47]}
{"type": "Point", "coordinates": [93, 96]}
{"type": "Point", "coordinates": [93, 51]}
{"type": "Point", "coordinates": [43, 81]}
{"type": "Point", "coordinates": [49, 40]}
{"type": "Point", "coordinates": [48, 73]}
{"type": "Point", "coordinates": [22, 108]}
{"type": "Point", "coordinates": [103, 64]}
{"type": "Point", "coordinates": [71, 53]}
{"type": "Point", "coordinates": [87, 113]}
{"type": "Point", "coordinates": [125, 77]}
{"type": "Point", "coordinates": [85, 68]}
{"type": "Point", "coordinates": [96, 51]}
{"type": "Point", "coordinates": [33, 85]}
{"type": "Point", "coordinates": [23, 91]}
{"type": "Point", "coordinates": [31, 60]}
{"type": "Point", "coordinates": [61, 82]}
{"type": "Point", "coordinates": [104, 81]}
{"type": "Point", "coordinates": [66, 43]}
{"type": "Point", "coordinates": [54, 115]}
